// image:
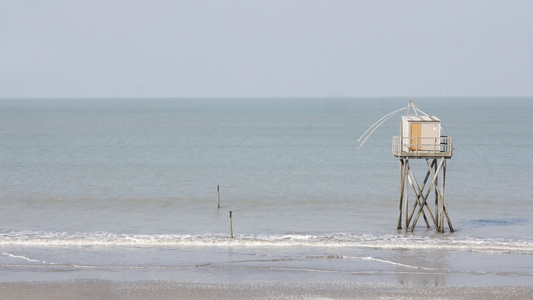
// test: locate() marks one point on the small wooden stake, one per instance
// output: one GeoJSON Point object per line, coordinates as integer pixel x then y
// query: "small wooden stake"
{"type": "Point", "coordinates": [218, 195]}
{"type": "Point", "coordinates": [230, 224]}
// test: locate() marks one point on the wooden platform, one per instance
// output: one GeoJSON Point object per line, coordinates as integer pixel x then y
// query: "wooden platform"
{"type": "Point", "coordinates": [422, 147]}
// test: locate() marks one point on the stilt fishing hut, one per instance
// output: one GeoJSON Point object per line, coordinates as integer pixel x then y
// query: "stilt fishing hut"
{"type": "Point", "coordinates": [420, 140]}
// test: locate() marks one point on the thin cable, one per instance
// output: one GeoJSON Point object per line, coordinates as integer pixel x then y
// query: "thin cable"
{"type": "Point", "coordinates": [370, 134]}
{"type": "Point", "coordinates": [418, 109]}
{"type": "Point", "coordinates": [380, 122]}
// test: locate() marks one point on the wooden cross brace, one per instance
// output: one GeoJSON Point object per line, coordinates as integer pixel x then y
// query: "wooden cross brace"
{"type": "Point", "coordinates": [422, 193]}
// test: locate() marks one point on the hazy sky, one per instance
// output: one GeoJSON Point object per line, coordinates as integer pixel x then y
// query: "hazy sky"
{"type": "Point", "coordinates": [226, 48]}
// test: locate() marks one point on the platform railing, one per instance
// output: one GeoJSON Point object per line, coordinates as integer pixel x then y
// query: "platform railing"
{"type": "Point", "coordinates": [422, 146]}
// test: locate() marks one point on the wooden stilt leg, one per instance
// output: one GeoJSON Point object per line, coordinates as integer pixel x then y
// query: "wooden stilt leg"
{"type": "Point", "coordinates": [441, 204]}
{"type": "Point", "coordinates": [407, 169]}
{"type": "Point", "coordinates": [448, 218]}
{"type": "Point", "coordinates": [434, 164]}
{"type": "Point", "coordinates": [402, 181]}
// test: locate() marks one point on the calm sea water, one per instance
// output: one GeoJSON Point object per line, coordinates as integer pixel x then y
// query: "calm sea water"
{"type": "Point", "coordinates": [127, 189]}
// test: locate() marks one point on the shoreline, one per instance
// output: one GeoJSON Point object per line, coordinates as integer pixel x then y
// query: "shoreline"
{"type": "Point", "coordinates": [106, 289]}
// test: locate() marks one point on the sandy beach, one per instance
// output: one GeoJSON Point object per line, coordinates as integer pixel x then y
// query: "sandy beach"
{"type": "Point", "coordinates": [257, 290]}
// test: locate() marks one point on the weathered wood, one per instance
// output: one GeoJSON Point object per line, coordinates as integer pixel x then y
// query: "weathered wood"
{"type": "Point", "coordinates": [402, 186]}
{"type": "Point", "coordinates": [443, 206]}
{"type": "Point", "coordinates": [230, 224]}
{"type": "Point", "coordinates": [426, 220]}
{"type": "Point", "coordinates": [433, 165]}
{"type": "Point", "coordinates": [413, 183]}
{"type": "Point", "coordinates": [424, 197]}
{"type": "Point", "coordinates": [421, 206]}
{"type": "Point", "coordinates": [418, 191]}
{"type": "Point", "coordinates": [444, 213]}
{"type": "Point", "coordinates": [448, 218]}
{"type": "Point", "coordinates": [407, 168]}
{"type": "Point", "coordinates": [218, 195]}
{"type": "Point", "coordinates": [417, 202]}
{"type": "Point", "coordinates": [441, 203]}
{"type": "Point", "coordinates": [434, 175]}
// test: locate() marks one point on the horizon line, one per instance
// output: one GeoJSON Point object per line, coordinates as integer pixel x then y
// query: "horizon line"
{"type": "Point", "coordinates": [251, 97]}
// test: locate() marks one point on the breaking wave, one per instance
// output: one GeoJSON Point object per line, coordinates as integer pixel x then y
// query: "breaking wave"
{"type": "Point", "coordinates": [341, 240]}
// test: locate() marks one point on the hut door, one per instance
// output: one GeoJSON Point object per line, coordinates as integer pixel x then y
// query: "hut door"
{"type": "Point", "coordinates": [416, 134]}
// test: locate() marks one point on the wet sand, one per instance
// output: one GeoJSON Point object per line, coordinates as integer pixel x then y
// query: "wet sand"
{"type": "Point", "coordinates": [95, 289]}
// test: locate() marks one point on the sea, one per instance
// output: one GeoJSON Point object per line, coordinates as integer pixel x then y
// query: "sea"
{"type": "Point", "coordinates": [129, 190]}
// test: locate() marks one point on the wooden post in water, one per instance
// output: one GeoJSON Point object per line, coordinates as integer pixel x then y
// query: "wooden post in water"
{"type": "Point", "coordinates": [230, 224]}
{"type": "Point", "coordinates": [218, 195]}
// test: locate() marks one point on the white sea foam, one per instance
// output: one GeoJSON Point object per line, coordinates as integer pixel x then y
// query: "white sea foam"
{"type": "Point", "coordinates": [341, 240]}
{"type": "Point", "coordinates": [396, 263]}
{"type": "Point", "coordinates": [370, 258]}
{"type": "Point", "coordinates": [23, 258]}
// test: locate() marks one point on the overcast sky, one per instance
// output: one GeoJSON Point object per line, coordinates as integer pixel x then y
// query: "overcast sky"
{"type": "Point", "coordinates": [256, 48]}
